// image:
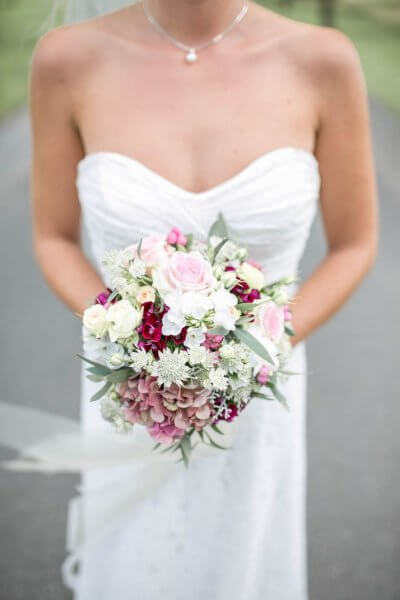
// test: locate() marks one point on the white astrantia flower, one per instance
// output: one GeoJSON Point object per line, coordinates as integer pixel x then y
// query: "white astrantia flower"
{"type": "Point", "coordinates": [140, 360]}
{"type": "Point", "coordinates": [239, 380]}
{"type": "Point", "coordinates": [129, 290]}
{"type": "Point", "coordinates": [217, 379]}
{"type": "Point", "coordinates": [171, 367]}
{"type": "Point", "coordinates": [137, 268]}
{"type": "Point", "coordinates": [227, 252]}
{"type": "Point", "coordinates": [194, 337]}
{"type": "Point", "coordinates": [242, 394]}
{"type": "Point", "coordinates": [201, 356]}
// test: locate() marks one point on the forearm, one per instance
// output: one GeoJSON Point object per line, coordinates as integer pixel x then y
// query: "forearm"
{"type": "Point", "coordinates": [68, 272]}
{"type": "Point", "coordinates": [328, 288]}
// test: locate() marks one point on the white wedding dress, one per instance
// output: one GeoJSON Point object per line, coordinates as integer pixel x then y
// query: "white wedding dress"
{"type": "Point", "coordinates": [232, 526]}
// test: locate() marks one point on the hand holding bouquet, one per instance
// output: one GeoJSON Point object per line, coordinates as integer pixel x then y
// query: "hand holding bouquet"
{"type": "Point", "coordinates": [186, 336]}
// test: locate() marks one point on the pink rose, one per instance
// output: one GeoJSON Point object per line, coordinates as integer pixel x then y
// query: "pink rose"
{"type": "Point", "coordinates": [187, 272]}
{"type": "Point", "coordinates": [153, 250]}
{"type": "Point", "coordinates": [176, 236]}
{"type": "Point", "coordinates": [271, 319]}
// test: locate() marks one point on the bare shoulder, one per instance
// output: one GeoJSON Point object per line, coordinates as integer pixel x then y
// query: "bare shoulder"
{"type": "Point", "coordinates": [63, 53]}
{"type": "Point", "coordinates": [321, 52]}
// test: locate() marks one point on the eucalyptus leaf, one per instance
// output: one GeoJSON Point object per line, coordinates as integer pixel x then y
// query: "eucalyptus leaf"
{"type": "Point", "coordinates": [289, 331]}
{"type": "Point", "coordinates": [213, 443]}
{"type": "Point", "coordinates": [262, 396]}
{"type": "Point", "coordinates": [215, 428]}
{"type": "Point", "coordinates": [219, 228]}
{"type": "Point", "coordinates": [218, 331]}
{"type": "Point", "coordinates": [249, 340]}
{"type": "Point", "coordinates": [120, 375]}
{"type": "Point", "coordinates": [113, 295]}
{"type": "Point", "coordinates": [102, 391]}
{"type": "Point", "coordinates": [99, 370]}
{"type": "Point", "coordinates": [218, 248]}
{"type": "Point", "coordinates": [92, 362]}
{"type": "Point", "coordinates": [139, 248]}
{"type": "Point", "coordinates": [95, 378]}
{"type": "Point", "coordinates": [279, 396]}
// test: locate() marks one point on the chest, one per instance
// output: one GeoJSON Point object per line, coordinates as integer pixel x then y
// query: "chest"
{"type": "Point", "coordinates": [195, 124]}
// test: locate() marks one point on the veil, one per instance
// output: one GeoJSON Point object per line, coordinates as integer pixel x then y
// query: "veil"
{"type": "Point", "coordinates": [79, 10]}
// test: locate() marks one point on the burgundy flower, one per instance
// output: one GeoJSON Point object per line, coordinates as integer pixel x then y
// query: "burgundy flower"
{"type": "Point", "coordinates": [179, 339]}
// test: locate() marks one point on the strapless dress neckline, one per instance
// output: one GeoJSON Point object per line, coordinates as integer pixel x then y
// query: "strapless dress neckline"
{"type": "Point", "coordinates": [266, 157]}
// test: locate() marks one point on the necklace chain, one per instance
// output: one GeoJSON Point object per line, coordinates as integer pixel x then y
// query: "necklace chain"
{"type": "Point", "coordinates": [191, 51]}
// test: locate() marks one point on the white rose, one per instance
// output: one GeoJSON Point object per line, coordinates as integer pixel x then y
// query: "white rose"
{"type": "Point", "coordinates": [252, 276]}
{"type": "Point", "coordinates": [146, 294]}
{"type": "Point", "coordinates": [95, 320]}
{"type": "Point", "coordinates": [123, 319]}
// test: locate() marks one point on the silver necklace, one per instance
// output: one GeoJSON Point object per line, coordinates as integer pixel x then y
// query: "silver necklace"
{"type": "Point", "coordinates": [191, 51]}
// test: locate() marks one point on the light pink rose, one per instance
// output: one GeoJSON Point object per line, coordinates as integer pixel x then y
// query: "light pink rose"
{"type": "Point", "coordinates": [187, 272]}
{"type": "Point", "coordinates": [271, 319]}
{"type": "Point", "coordinates": [153, 250]}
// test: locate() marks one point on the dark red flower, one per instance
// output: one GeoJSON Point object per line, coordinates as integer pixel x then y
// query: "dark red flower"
{"type": "Point", "coordinates": [179, 339]}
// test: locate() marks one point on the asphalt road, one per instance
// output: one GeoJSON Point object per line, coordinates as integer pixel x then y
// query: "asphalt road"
{"type": "Point", "coordinates": [353, 415]}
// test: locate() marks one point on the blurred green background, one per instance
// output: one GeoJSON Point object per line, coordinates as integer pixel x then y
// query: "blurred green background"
{"type": "Point", "coordinates": [373, 25]}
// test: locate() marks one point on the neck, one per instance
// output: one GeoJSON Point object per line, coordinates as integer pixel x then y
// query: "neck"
{"type": "Point", "coordinates": [194, 20]}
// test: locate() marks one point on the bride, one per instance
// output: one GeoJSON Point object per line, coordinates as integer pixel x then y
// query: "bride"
{"type": "Point", "coordinates": [163, 113]}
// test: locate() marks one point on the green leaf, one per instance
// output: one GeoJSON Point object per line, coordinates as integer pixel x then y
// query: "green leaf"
{"type": "Point", "coordinates": [279, 396]}
{"type": "Point", "coordinates": [139, 249]}
{"type": "Point", "coordinates": [102, 391]}
{"type": "Point", "coordinates": [249, 340]}
{"type": "Point", "coordinates": [219, 228]}
{"type": "Point", "coordinates": [91, 362]}
{"type": "Point", "coordinates": [215, 428]}
{"type": "Point", "coordinates": [113, 295]}
{"type": "Point", "coordinates": [262, 396]}
{"type": "Point", "coordinates": [289, 331]}
{"type": "Point", "coordinates": [213, 443]}
{"type": "Point", "coordinates": [120, 375]}
{"type": "Point", "coordinates": [95, 378]}
{"type": "Point", "coordinates": [99, 370]}
{"type": "Point", "coordinates": [250, 306]}
{"type": "Point", "coordinates": [186, 449]}
{"type": "Point", "coordinates": [217, 249]}
{"type": "Point", "coordinates": [218, 331]}
{"type": "Point", "coordinates": [189, 238]}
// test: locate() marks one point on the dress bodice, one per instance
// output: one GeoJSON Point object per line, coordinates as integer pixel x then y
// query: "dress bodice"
{"type": "Point", "coordinates": [269, 205]}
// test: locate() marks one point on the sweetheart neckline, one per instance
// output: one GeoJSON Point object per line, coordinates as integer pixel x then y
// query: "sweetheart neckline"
{"type": "Point", "coordinates": [209, 191]}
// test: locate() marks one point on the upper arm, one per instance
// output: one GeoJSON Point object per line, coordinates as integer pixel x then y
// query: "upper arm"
{"type": "Point", "coordinates": [343, 148]}
{"type": "Point", "coordinates": [56, 142]}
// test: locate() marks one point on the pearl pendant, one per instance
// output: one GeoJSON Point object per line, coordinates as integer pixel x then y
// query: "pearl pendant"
{"type": "Point", "coordinates": [191, 57]}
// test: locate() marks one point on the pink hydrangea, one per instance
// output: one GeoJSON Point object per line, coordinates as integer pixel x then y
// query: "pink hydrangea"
{"type": "Point", "coordinates": [167, 413]}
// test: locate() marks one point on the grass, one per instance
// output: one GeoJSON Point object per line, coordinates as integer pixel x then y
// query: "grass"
{"type": "Point", "coordinates": [373, 25]}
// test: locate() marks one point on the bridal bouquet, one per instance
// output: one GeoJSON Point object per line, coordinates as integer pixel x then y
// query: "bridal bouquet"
{"type": "Point", "coordinates": [186, 335]}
